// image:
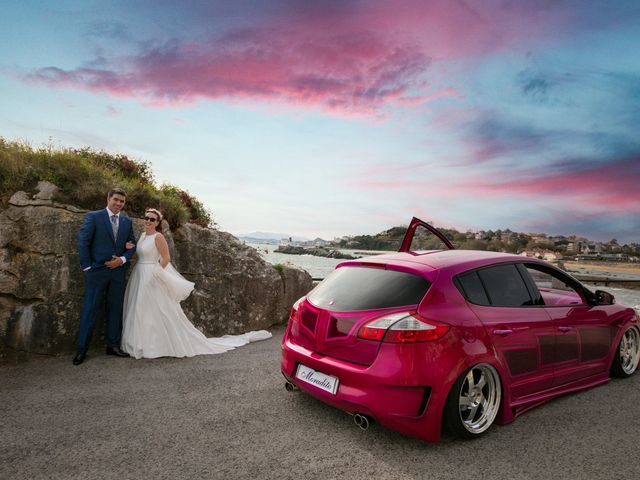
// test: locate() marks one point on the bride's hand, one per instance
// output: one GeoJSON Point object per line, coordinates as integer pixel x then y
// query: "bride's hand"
{"type": "Point", "coordinates": [129, 245]}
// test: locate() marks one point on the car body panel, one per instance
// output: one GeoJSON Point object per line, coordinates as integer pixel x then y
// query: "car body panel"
{"type": "Point", "coordinates": [524, 340]}
{"type": "Point", "coordinates": [584, 338]}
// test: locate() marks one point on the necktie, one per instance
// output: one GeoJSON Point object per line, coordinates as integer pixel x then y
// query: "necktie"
{"type": "Point", "coordinates": [114, 225]}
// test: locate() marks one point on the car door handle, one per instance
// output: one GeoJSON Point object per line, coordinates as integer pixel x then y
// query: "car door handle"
{"type": "Point", "coordinates": [503, 331]}
{"type": "Point", "coordinates": [564, 329]}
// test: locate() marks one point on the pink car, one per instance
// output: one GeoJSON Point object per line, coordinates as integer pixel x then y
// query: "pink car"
{"type": "Point", "coordinates": [420, 339]}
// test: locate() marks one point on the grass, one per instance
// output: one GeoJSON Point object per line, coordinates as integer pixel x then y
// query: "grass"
{"type": "Point", "coordinates": [84, 177]}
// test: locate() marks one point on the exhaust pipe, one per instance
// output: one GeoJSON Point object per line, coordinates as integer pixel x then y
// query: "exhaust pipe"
{"type": "Point", "coordinates": [290, 387]}
{"type": "Point", "coordinates": [362, 421]}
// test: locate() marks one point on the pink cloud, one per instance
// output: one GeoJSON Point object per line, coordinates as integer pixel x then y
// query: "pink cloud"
{"type": "Point", "coordinates": [612, 185]}
{"type": "Point", "coordinates": [357, 73]}
{"type": "Point", "coordinates": [360, 60]}
{"type": "Point", "coordinates": [577, 186]}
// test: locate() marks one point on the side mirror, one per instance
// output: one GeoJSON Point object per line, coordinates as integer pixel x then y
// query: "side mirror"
{"type": "Point", "coordinates": [604, 298]}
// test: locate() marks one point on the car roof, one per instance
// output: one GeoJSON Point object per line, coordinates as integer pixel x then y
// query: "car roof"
{"type": "Point", "coordinates": [441, 259]}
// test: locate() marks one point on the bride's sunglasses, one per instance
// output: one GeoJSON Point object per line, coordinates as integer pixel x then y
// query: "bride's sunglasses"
{"type": "Point", "coordinates": [150, 219]}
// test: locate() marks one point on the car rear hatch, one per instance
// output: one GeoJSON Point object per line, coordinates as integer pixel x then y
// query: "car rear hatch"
{"type": "Point", "coordinates": [328, 320]}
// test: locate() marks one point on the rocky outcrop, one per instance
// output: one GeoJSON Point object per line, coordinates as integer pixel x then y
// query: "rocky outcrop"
{"type": "Point", "coordinates": [41, 283]}
{"type": "Point", "coordinates": [236, 290]}
{"type": "Point", "coordinates": [316, 251]}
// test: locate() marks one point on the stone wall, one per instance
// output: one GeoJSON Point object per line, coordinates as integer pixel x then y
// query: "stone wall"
{"type": "Point", "coordinates": [41, 283]}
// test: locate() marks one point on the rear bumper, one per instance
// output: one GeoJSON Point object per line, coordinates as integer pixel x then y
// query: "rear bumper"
{"type": "Point", "coordinates": [405, 392]}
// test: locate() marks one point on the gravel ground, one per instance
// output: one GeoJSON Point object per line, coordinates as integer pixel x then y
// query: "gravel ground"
{"type": "Point", "coordinates": [229, 416]}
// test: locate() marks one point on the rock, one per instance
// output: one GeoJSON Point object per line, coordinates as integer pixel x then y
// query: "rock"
{"type": "Point", "coordinates": [292, 250]}
{"type": "Point", "coordinates": [20, 199]}
{"type": "Point", "coordinates": [42, 285]}
{"type": "Point", "coordinates": [236, 290]}
{"type": "Point", "coordinates": [316, 251]}
{"type": "Point", "coordinates": [297, 282]}
{"type": "Point", "coordinates": [40, 282]}
{"type": "Point", "coordinates": [46, 191]}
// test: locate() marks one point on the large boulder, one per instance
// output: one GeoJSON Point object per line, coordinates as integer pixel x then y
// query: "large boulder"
{"type": "Point", "coordinates": [236, 290]}
{"type": "Point", "coordinates": [42, 286]}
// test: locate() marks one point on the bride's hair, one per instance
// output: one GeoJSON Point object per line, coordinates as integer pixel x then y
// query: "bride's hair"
{"type": "Point", "coordinates": [158, 214]}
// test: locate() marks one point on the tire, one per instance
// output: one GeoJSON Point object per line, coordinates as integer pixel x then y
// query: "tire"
{"type": "Point", "coordinates": [473, 402]}
{"type": "Point", "coordinates": [627, 356]}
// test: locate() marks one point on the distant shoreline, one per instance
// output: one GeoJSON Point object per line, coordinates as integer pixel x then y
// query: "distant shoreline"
{"type": "Point", "coordinates": [604, 267]}
{"type": "Point", "coordinates": [601, 268]}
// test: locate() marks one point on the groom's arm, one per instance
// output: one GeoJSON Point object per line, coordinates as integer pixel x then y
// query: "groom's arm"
{"type": "Point", "coordinates": [130, 238]}
{"type": "Point", "coordinates": [85, 237]}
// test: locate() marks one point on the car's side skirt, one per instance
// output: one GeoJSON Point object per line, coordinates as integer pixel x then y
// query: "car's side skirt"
{"type": "Point", "coordinates": [522, 405]}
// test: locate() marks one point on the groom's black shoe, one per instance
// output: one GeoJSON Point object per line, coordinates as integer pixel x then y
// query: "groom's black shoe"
{"type": "Point", "coordinates": [79, 358]}
{"type": "Point", "coordinates": [116, 351]}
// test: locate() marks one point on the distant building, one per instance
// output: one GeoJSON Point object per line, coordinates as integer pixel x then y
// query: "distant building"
{"type": "Point", "coordinates": [541, 239]}
{"type": "Point", "coordinates": [507, 237]}
{"type": "Point", "coordinates": [574, 246]}
{"type": "Point", "coordinates": [591, 248]}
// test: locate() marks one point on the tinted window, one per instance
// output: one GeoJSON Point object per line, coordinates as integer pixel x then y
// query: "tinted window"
{"type": "Point", "coordinates": [363, 288]}
{"type": "Point", "coordinates": [472, 288]}
{"type": "Point", "coordinates": [554, 288]}
{"type": "Point", "coordinates": [505, 286]}
{"type": "Point", "coordinates": [546, 280]}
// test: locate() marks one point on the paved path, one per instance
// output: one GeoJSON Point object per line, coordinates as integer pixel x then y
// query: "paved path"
{"type": "Point", "coordinates": [229, 416]}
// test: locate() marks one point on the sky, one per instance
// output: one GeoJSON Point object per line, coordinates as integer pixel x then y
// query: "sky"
{"type": "Point", "coordinates": [330, 118]}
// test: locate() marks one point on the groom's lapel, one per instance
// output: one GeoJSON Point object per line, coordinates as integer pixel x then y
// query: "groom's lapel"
{"type": "Point", "coordinates": [107, 222]}
{"type": "Point", "coordinates": [122, 230]}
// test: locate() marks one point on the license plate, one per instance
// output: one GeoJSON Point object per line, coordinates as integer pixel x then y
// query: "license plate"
{"type": "Point", "coordinates": [320, 380]}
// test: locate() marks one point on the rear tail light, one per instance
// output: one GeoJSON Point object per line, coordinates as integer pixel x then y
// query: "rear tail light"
{"type": "Point", "coordinates": [295, 308]}
{"type": "Point", "coordinates": [375, 329]}
{"type": "Point", "coordinates": [405, 327]}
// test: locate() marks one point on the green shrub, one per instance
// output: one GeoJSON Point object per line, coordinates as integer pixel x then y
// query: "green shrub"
{"type": "Point", "coordinates": [84, 177]}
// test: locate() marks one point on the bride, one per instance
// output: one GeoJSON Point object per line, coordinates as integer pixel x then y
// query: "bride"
{"type": "Point", "coordinates": [154, 323]}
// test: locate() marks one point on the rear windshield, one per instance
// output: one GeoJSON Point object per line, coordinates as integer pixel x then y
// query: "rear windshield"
{"type": "Point", "coordinates": [365, 288]}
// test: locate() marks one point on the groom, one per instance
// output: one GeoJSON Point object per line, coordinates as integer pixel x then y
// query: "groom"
{"type": "Point", "coordinates": [103, 257]}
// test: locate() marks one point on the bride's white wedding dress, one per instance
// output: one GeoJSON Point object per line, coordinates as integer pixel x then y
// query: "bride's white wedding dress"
{"type": "Point", "coordinates": [154, 324]}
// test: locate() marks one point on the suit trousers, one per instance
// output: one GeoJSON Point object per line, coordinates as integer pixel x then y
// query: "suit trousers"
{"type": "Point", "coordinates": [101, 284]}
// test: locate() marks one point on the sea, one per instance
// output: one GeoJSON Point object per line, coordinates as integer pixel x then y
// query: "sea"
{"type": "Point", "coordinates": [320, 267]}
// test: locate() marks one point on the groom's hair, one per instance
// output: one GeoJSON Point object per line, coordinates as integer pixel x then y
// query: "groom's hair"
{"type": "Point", "coordinates": [117, 191]}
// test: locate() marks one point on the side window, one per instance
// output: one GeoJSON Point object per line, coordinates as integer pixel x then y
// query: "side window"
{"type": "Point", "coordinates": [472, 288]}
{"type": "Point", "coordinates": [505, 286]}
{"type": "Point", "coordinates": [553, 287]}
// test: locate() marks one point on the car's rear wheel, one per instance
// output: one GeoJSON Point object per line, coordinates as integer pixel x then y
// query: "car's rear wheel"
{"type": "Point", "coordinates": [625, 363]}
{"type": "Point", "coordinates": [474, 401]}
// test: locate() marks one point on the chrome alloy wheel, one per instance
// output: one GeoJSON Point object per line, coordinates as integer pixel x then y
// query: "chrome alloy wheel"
{"type": "Point", "coordinates": [479, 398]}
{"type": "Point", "coordinates": [630, 350]}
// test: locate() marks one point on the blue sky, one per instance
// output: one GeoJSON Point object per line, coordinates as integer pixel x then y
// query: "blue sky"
{"type": "Point", "coordinates": [335, 118]}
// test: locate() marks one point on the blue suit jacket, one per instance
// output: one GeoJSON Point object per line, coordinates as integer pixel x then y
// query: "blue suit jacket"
{"type": "Point", "coordinates": [96, 244]}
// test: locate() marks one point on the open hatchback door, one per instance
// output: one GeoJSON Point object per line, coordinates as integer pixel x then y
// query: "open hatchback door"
{"type": "Point", "coordinates": [415, 223]}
